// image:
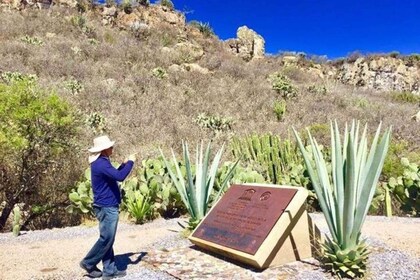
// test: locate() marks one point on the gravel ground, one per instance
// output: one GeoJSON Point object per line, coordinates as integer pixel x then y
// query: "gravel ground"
{"type": "Point", "coordinates": [394, 244]}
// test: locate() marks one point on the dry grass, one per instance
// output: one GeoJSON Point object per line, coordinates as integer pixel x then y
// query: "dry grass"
{"type": "Point", "coordinates": [144, 112]}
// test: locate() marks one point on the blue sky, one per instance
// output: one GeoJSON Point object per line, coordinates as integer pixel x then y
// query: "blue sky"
{"type": "Point", "coordinates": [320, 27]}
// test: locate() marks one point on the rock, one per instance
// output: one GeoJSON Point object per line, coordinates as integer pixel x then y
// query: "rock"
{"type": "Point", "coordinates": [248, 44]}
{"type": "Point", "coordinates": [380, 73]}
{"type": "Point", "coordinates": [194, 67]}
{"type": "Point", "coordinates": [187, 49]}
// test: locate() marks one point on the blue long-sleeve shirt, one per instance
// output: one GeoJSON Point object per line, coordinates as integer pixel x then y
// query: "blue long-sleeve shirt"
{"type": "Point", "coordinates": [104, 181]}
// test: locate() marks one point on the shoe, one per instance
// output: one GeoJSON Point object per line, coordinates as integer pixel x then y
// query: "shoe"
{"type": "Point", "coordinates": [118, 274]}
{"type": "Point", "coordinates": [93, 272]}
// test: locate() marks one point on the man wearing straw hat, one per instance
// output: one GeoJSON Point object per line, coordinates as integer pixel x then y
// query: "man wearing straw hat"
{"type": "Point", "coordinates": [106, 201]}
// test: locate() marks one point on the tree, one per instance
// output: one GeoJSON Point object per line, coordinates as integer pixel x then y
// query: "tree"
{"type": "Point", "coordinates": [37, 139]}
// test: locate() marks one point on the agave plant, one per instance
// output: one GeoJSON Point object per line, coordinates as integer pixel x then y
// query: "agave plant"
{"type": "Point", "coordinates": [196, 188]}
{"type": "Point", "coordinates": [346, 198]}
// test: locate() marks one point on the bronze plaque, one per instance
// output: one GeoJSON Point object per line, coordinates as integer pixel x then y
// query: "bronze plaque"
{"type": "Point", "coordinates": [244, 217]}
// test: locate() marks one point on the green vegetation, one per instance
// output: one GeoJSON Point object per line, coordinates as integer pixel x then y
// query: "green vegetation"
{"type": "Point", "coordinates": [74, 86]}
{"type": "Point", "coordinates": [277, 159]}
{"type": "Point", "coordinates": [279, 109]}
{"type": "Point", "coordinates": [159, 73]}
{"type": "Point", "coordinates": [16, 220]}
{"type": "Point", "coordinates": [96, 122]}
{"type": "Point", "coordinates": [81, 198]}
{"type": "Point", "coordinates": [32, 40]}
{"type": "Point", "coordinates": [12, 77]}
{"type": "Point", "coordinates": [346, 199]}
{"type": "Point", "coordinates": [167, 3]}
{"type": "Point", "coordinates": [283, 85]}
{"type": "Point", "coordinates": [216, 124]}
{"type": "Point", "coordinates": [37, 130]}
{"type": "Point", "coordinates": [406, 96]}
{"type": "Point", "coordinates": [204, 28]}
{"type": "Point", "coordinates": [108, 71]}
{"type": "Point", "coordinates": [196, 189]}
{"type": "Point", "coordinates": [406, 188]}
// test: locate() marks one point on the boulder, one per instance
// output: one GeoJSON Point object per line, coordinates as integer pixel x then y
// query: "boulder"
{"type": "Point", "coordinates": [248, 44]}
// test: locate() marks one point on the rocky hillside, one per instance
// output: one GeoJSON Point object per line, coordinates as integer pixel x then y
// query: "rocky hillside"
{"type": "Point", "coordinates": [155, 79]}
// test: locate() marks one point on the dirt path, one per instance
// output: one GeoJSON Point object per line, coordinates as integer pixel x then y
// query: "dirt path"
{"type": "Point", "coordinates": [24, 258]}
{"type": "Point", "coordinates": [38, 259]}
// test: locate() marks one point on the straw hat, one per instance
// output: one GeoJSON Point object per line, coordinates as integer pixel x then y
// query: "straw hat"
{"type": "Point", "coordinates": [101, 143]}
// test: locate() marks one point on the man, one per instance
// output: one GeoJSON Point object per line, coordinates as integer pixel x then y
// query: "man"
{"type": "Point", "coordinates": [106, 201]}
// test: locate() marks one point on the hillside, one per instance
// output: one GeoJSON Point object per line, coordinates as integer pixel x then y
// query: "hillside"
{"type": "Point", "coordinates": [150, 75]}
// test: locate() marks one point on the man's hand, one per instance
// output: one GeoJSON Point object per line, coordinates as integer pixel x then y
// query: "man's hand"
{"type": "Point", "coordinates": [132, 157]}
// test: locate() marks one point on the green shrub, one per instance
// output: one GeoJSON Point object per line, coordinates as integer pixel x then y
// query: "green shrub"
{"type": "Point", "coordinates": [406, 188]}
{"type": "Point", "coordinates": [394, 54]}
{"type": "Point", "coordinates": [74, 86]}
{"type": "Point", "coordinates": [279, 109]}
{"type": "Point", "coordinates": [96, 122]}
{"type": "Point", "coordinates": [159, 73]}
{"type": "Point", "coordinates": [38, 133]}
{"type": "Point", "coordinates": [127, 6]}
{"type": "Point", "coordinates": [283, 85]}
{"type": "Point", "coordinates": [216, 124]}
{"type": "Point", "coordinates": [144, 2]}
{"type": "Point", "coordinates": [398, 149]}
{"type": "Point", "coordinates": [80, 22]}
{"type": "Point", "coordinates": [412, 60]}
{"type": "Point", "coordinates": [204, 28]}
{"type": "Point", "coordinates": [405, 96]}
{"type": "Point", "coordinates": [318, 89]}
{"type": "Point", "coordinates": [32, 40]}
{"type": "Point", "coordinates": [12, 77]}
{"type": "Point", "coordinates": [167, 3]}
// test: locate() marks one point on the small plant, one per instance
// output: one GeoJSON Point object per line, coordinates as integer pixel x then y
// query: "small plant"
{"type": "Point", "coordinates": [127, 6]}
{"type": "Point", "coordinates": [406, 188]}
{"type": "Point", "coordinates": [204, 28]}
{"type": "Point", "coordinates": [12, 77]}
{"type": "Point", "coordinates": [81, 198]}
{"type": "Point", "coordinates": [167, 4]}
{"type": "Point", "coordinates": [159, 73]}
{"type": "Point", "coordinates": [196, 189]}
{"type": "Point", "coordinates": [280, 109]}
{"type": "Point", "coordinates": [144, 2]}
{"type": "Point", "coordinates": [345, 200]}
{"type": "Point", "coordinates": [76, 50]}
{"type": "Point", "coordinates": [138, 206]}
{"type": "Point", "coordinates": [405, 96]}
{"type": "Point", "coordinates": [214, 123]}
{"type": "Point", "coordinates": [362, 103]}
{"type": "Point", "coordinates": [394, 54]}
{"type": "Point", "coordinates": [16, 220]}
{"type": "Point", "coordinates": [240, 175]}
{"type": "Point", "coordinates": [283, 85]}
{"type": "Point", "coordinates": [93, 41]}
{"type": "Point", "coordinates": [318, 89]}
{"type": "Point", "coordinates": [96, 122]}
{"type": "Point", "coordinates": [80, 22]}
{"type": "Point", "coordinates": [74, 86]}
{"type": "Point", "coordinates": [32, 40]}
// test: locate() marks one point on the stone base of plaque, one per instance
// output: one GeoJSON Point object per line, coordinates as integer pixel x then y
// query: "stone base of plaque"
{"type": "Point", "coordinates": [287, 241]}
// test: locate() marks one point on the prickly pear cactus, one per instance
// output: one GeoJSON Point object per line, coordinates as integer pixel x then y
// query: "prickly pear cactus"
{"type": "Point", "coordinates": [406, 188]}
